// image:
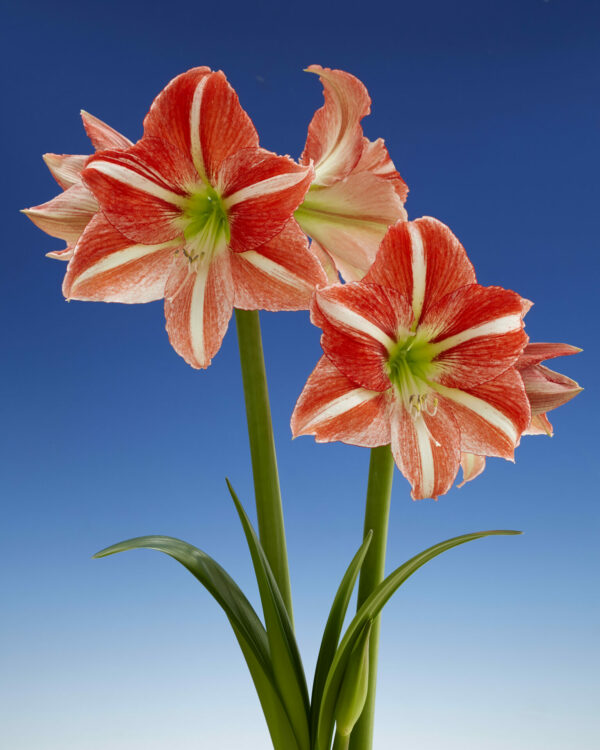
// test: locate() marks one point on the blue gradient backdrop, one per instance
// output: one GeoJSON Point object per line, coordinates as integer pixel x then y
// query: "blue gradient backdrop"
{"type": "Point", "coordinates": [490, 111]}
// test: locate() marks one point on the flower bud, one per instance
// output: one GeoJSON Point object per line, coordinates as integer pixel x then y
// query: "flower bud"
{"type": "Point", "coordinates": [355, 683]}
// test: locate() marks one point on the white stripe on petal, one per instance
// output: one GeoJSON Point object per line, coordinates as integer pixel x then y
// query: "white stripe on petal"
{"type": "Point", "coordinates": [197, 313]}
{"type": "Point", "coordinates": [426, 455]}
{"type": "Point", "coordinates": [351, 319]}
{"type": "Point", "coordinates": [129, 177]}
{"type": "Point", "coordinates": [195, 145]}
{"type": "Point", "coordinates": [277, 271]}
{"type": "Point", "coordinates": [120, 258]}
{"type": "Point", "coordinates": [340, 405]}
{"type": "Point", "coordinates": [265, 187]}
{"type": "Point", "coordinates": [495, 327]}
{"type": "Point", "coordinates": [419, 270]}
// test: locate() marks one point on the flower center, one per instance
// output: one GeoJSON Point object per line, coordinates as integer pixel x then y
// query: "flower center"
{"type": "Point", "coordinates": [410, 370]}
{"type": "Point", "coordinates": [205, 222]}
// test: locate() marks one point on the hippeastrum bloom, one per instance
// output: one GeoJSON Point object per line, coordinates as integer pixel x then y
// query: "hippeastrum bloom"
{"type": "Point", "coordinates": [356, 193]}
{"type": "Point", "coordinates": [418, 355]}
{"type": "Point", "coordinates": [68, 214]}
{"type": "Point", "coordinates": [545, 389]}
{"type": "Point", "coordinates": [197, 213]}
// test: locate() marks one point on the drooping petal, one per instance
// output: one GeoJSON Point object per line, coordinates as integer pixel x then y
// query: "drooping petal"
{"type": "Point", "coordinates": [335, 137]}
{"type": "Point", "coordinates": [349, 220]}
{"type": "Point", "coordinates": [547, 389]}
{"type": "Point", "coordinates": [423, 260]}
{"type": "Point", "coordinates": [360, 324]}
{"type": "Point", "coordinates": [332, 407]}
{"type": "Point", "coordinates": [64, 254]}
{"type": "Point", "coordinates": [102, 135]}
{"type": "Point", "coordinates": [472, 466]}
{"type": "Point", "coordinates": [200, 114]}
{"type": "Point", "coordinates": [108, 267]}
{"type": "Point", "coordinates": [279, 275]}
{"type": "Point", "coordinates": [65, 216]}
{"type": "Point", "coordinates": [260, 192]}
{"type": "Point", "coordinates": [537, 352]}
{"type": "Point", "coordinates": [540, 425]}
{"type": "Point", "coordinates": [426, 449]}
{"type": "Point", "coordinates": [198, 306]}
{"type": "Point", "coordinates": [476, 333]}
{"type": "Point", "coordinates": [375, 159]}
{"type": "Point", "coordinates": [66, 168]}
{"type": "Point", "coordinates": [492, 416]}
{"type": "Point", "coordinates": [142, 190]}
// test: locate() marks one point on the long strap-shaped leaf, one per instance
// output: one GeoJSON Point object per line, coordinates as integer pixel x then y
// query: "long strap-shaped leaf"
{"type": "Point", "coordinates": [248, 628]}
{"type": "Point", "coordinates": [287, 664]}
{"type": "Point", "coordinates": [369, 610]}
{"type": "Point", "coordinates": [333, 629]}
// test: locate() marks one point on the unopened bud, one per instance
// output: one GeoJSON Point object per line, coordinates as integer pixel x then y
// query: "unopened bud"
{"type": "Point", "coordinates": [355, 684]}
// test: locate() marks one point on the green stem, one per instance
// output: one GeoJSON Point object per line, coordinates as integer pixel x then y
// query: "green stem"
{"type": "Point", "coordinates": [379, 490]}
{"type": "Point", "coordinates": [341, 742]}
{"type": "Point", "coordinates": [262, 450]}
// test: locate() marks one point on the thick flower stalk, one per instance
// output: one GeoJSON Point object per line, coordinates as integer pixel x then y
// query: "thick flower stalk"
{"type": "Point", "coordinates": [356, 192]}
{"type": "Point", "coordinates": [419, 355]}
{"type": "Point", "coordinates": [197, 213]}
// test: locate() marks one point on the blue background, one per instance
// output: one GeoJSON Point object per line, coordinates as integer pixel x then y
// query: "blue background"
{"type": "Point", "coordinates": [490, 111]}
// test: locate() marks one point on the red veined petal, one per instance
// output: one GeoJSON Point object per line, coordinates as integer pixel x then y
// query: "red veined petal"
{"type": "Point", "coordinates": [65, 216]}
{"type": "Point", "coordinates": [65, 168]}
{"type": "Point", "coordinates": [547, 389]}
{"type": "Point", "coordinates": [200, 114]}
{"type": "Point", "coordinates": [375, 159]}
{"type": "Point", "coordinates": [491, 416]}
{"type": "Point", "coordinates": [142, 190]}
{"type": "Point", "coordinates": [423, 260]}
{"type": "Point", "coordinates": [198, 306]}
{"type": "Point", "coordinates": [472, 466]}
{"type": "Point", "coordinates": [64, 254]}
{"type": "Point", "coordinates": [426, 449]}
{"type": "Point", "coordinates": [102, 135]}
{"type": "Point", "coordinates": [108, 267]}
{"type": "Point", "coordinates": [335, 137]}
{"type": "Point", "coordinates": [260, 192]}
{"type": "Point", "coordinates": [537, 352]}
{"type": "Point", "coordinates": [326, 261]}
{"type": "Point", "coordinates": [331, 407]}
{"type": "Point", "coordinates": [361, 323]}
{"type": "Point", "coordinates": [279, 275]}
{"type": "Point", "coordinates": [350, 219]}
{"type": "Point", "coordinates": [540, 425]}
{"type": "Point", "coordinates": [476, 333]}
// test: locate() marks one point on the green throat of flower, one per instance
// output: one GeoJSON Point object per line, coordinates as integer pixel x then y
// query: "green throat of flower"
{"type": "Point", "coordinates": [411, 369]}
{"type": "Point", "coordinates": [205, 223]}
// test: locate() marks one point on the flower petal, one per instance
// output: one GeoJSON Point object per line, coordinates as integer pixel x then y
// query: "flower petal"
{"type": "Point", "coordinates": [537, 352]}
{"type": "Point", "coordinates": [108, 267]}
{"type": "Point", "coordinates": [491, 416]}
{"type": "Point", "coordinates": [279, 275]}
{"type": "Point", "coordinates": [476, 333]}
{"type": "Point", "coordinates": [360, 325]}
{"type": "Point", "coordinates": [200, 114]}
{"type": "Point", "coordinates": [198, 306]}
{"type": "Point", "coordinates": [426, 450]}
{"type": "Point", "coordinates": [326, 261]}
{"type": "Point", "coordinates": [64, 254]}
{"type": "Point", "coordinates": [540, 425]}
{"type": "Point", "coordinates": [102, 135]}
{"type": "Point", "coordinates": [66, 168]}
{"type": "Point", "coordinates": [335, 137]}
{"type": "Point", "coordinates": [142, 190]}
{"type": "Point", "coordinates": [472, 466]}
{"type": "Point", "coordinates": [332, 407]}
{"type": "Point", "coordinates": [423, 260]}
{"type": "Point", "coordinates": [260, 191]}
{"type": "Point", "coordinates": [547, 389]}
{"type": "Point", "coordinates": [375, 159]}
{"type": "Point", "coordinates": [65, 216]}
{"type": "Point", "coordinates": [350, 218]}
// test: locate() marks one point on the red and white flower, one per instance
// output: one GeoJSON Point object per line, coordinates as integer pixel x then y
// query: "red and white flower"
{"type": "Point", "coordinates": [68, 214]}
{"type": "Point", "coordinates": [418, 355]}
{"type": "Point", "coordinates": [356, 193]}
{"type": "Point", "coordinates": [197, 213]}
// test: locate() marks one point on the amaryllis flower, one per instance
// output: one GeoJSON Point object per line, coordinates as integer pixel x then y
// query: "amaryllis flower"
{"type": "Point", "coordinates": [356, 193]}
{"type": "Point", "coordinates": [67, 215]}
{"type": "Point", "coordinates": [197, 213]}
{"type": "Point", "coordinates": [545, 389]}
{"type": "Point", "coordinates": [418, 355]}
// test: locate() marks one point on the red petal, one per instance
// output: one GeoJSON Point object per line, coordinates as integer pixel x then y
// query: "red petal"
{"type": "Point", "coordinates": [335, 136]}
{"type": "Point", "coordinates": [472, 466]}
{"type": "Point", "coordinates": [142, 190]}
{"type": "Point", "coordinates": [198, 306]}
{"type": "Point", "coordinates": [423, 260]}
{"type": "Point", "coordinates": [491, 416]}
{"type": "Point", "coordinates": [331, 407]}
{"type": "Point", "coordinates": [280, 275]}
{"type": "Point", "coordinates": [107, 267]}
{"type": "Point", "coordinates": [546, 389]}
{"type": "Point", "coordinates": [476, 333]}
{"type": "Point", "coordinates": [66, 168]}
{"type": "Point", "coordinates": [102, 135]}
{"type": "Point", "coordinates": [200, 114]}
{"type": "Point", "coordinates": [376, 160]}
{"type": "Point", "coordinates": [65, 216]}
{"type": "Point", "coordinates": [537, 352]}
{"type": "Point", "coordinates": [427, 450]}
{"type": "Point", "coordinates": [360, 325]}
{"type": "Point", "coordinates": [260, 192]}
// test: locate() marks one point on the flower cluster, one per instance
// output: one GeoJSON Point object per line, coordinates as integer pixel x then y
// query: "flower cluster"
{"type": "Point", "coordinates": [416, 353]}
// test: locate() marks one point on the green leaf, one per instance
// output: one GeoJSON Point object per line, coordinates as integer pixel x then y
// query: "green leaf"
{"type": "Point", "coordinates": [285, 656]}
{"type": "Point", "coordinates": [248, 628]}
{"type": "Point", "coordinates": [333, 628]}
{"type": "Point", "coordinates": [369, 610]}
